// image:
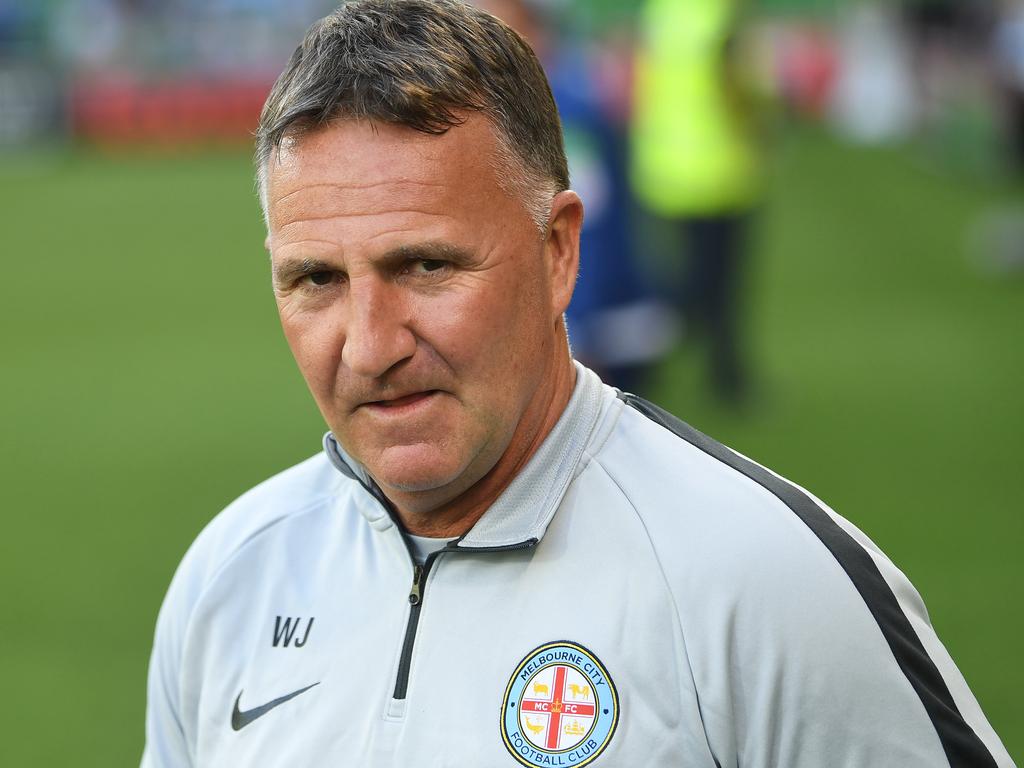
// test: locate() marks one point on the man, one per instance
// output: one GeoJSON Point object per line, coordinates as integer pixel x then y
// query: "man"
{"type": "Point", "coordinates": [497, 560]}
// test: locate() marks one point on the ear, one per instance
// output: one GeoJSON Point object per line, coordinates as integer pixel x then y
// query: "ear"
{"type": "Point", "coordinates": [562, 248]}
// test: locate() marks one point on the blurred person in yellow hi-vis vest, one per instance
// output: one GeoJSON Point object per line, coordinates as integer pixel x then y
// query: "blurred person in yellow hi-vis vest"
{"type": "Point", "coordinates": [695, 165]}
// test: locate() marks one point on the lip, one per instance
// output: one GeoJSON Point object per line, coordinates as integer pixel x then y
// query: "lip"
{"type": "Point", "coordinates": [403, 404]}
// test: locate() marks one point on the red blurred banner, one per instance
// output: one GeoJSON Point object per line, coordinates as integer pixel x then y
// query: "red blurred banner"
{"type": "Point", "coordinates": [181, 111]}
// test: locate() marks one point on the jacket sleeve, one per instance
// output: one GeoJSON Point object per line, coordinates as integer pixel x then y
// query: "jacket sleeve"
{"type": "Point", "coordinates": [166, 743]}
{"type": "Point", "coordinates": [828, 656]}
{"type": "Point", "coordinates": [807, 647]}
{"type": "Point", "coordinates": [176, 679]}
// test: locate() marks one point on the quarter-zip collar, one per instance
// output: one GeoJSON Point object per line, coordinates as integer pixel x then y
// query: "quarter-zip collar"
{"type": "Point", "coordinates": [525, 508]}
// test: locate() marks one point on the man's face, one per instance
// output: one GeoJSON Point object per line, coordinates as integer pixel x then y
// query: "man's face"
{"type": "Point", "coordinates": [419, 299]}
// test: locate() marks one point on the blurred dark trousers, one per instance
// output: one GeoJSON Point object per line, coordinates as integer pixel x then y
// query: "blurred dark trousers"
{"type": "Point", "coordinates": [710, 297]}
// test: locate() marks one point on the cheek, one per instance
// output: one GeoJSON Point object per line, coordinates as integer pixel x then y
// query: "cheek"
{"type": "Point", "coordinates": [315, 345]}
{"type": "Point", "coordinates": [490, 337]}
{"type": "Point", "coordinates": [457, 336]}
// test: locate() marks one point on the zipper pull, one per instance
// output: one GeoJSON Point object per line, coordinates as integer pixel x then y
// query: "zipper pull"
{"type": "Point", "coordinates": [414, 594]}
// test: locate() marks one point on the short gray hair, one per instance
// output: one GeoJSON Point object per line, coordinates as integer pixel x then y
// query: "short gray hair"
{"type": "Point", "coordinates": [423, 64]}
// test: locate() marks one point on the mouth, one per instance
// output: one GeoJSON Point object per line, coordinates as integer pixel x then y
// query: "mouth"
{"type": "Point", "coordinates": [403, 403]}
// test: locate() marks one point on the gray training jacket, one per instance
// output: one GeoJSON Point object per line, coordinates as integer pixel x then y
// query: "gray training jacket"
{"type": "Point", "coordinates": [639, 596]}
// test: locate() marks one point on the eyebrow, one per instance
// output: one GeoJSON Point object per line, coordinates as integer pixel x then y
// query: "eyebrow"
{"type": "Point", "coordinates": [291, 269]}
{"type": "Point", "coordinates": [428, 251]}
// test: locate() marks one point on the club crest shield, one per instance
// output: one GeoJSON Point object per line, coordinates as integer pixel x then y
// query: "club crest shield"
{"type": "Point", "coordinates": [560, 707]}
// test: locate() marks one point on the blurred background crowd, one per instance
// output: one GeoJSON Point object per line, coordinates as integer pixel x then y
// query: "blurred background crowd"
{"type": "Point", "coordinates": [671, 113]}
{"type": "Point", "coordinates": [804, 234]}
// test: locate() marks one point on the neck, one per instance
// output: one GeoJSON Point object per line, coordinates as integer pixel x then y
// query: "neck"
{"type": "Point", "coordinates": [456, 516]}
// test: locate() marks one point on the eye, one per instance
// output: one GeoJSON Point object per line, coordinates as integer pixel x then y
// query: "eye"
{"type": "Point", "coordinates": [320, 278]}
{"type": "Point", "coordinates": [426, 265]}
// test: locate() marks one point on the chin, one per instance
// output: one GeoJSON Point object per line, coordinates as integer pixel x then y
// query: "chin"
{"type": "Point", "coordinates": [416, 469]}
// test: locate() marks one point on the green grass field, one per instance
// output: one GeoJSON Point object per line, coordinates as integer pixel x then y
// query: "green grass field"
{"type": "Point", "coordinates": [146, 383]}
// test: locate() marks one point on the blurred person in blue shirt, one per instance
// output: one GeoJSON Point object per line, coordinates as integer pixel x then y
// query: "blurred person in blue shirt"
{"type": "Point", "coordinates": [1009, 59]}
{"type": "Point", "coordinates": [616, 325]}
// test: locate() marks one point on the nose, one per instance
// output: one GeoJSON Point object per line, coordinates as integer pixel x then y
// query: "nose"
{"type": "Point", "coordinates": [377, 333]}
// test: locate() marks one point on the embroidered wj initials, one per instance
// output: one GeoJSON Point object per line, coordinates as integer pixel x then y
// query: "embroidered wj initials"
{"type": "Point", "coordinates": [287, 631]}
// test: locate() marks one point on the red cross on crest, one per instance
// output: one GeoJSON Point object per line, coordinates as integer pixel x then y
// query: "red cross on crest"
{"type": "Point", "coordinates": [556, 706]}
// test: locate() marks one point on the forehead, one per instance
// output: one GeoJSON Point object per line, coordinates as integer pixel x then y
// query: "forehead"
{"type": "Point", "coordinates": [362, 166]}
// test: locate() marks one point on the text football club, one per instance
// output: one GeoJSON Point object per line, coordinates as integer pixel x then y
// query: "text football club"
{"type": "Point", "coordinates": [560, 707]}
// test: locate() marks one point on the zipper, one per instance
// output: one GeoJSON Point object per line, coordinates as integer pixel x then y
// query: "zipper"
{"type": "Point", "coordinates": [419, 583]}
{"type": "Point", "coordinates": [416, 595]}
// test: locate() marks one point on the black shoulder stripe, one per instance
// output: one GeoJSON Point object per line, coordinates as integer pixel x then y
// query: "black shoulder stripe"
{"type": "Point", "coordinates": [963, 747]}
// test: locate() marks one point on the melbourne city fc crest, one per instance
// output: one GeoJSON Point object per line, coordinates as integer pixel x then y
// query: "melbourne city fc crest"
{"type": "Point", "coordinates": [560, 708]}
